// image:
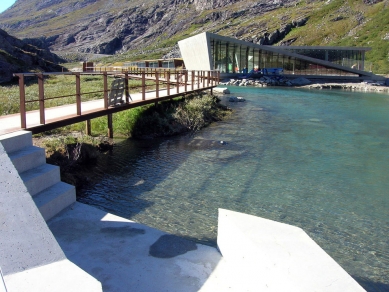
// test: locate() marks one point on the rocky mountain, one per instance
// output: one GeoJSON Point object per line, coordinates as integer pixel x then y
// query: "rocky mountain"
{"type": "Point", "coordinates": [20, 56]}
{"type": "Point", "coordinates": [115, 26]}
{"type": "Point", "coordinates": [147, 28]}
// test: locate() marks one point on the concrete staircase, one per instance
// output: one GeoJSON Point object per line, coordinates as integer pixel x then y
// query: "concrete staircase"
{"type": "Point", "coordinates": [42, 180]}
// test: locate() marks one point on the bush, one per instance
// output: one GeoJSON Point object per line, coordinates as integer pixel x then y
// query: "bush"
{"type": "Point", "coordinates": [180, 115]}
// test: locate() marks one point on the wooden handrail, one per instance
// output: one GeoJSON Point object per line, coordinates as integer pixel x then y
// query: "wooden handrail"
{"type": "Point", "coordinates": [159, 75]}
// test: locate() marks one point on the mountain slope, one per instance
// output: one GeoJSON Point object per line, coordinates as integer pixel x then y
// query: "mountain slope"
{"type": "Point", "coordinates": [19, 56]}
{"type": "Point", "coordinates": [136, 29]}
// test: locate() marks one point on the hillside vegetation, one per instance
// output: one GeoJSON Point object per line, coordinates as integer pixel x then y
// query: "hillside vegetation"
{"type": "Point", "coordinates": [132, 30]}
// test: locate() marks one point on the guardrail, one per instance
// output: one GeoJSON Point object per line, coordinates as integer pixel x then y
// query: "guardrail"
{"type": "Point", "coordinates": [160, 79]}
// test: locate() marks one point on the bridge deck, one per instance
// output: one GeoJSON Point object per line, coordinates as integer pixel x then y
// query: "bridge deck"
{"type": "Point", "coordinates": [67, 114]}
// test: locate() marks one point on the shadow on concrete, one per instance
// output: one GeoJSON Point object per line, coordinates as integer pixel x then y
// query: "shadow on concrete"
{"type": "Point", "coordinates": [127, 256]}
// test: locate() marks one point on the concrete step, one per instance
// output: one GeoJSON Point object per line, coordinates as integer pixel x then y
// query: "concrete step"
{"type": "Point", "coordinates": [39, 178]}
{"type": "Point", "coordinates": [28, 158]}
{"type": "Point", "coordinates": [54, 199]}
{"type": "Point", "coordinates": [15, 141]}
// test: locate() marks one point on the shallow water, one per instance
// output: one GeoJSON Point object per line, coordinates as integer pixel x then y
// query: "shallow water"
{"type": "Point", "coordinates": [314, 159]}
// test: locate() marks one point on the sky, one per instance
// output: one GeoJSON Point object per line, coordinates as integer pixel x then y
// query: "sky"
{"type": "Point", "coordinates": [4, 4]}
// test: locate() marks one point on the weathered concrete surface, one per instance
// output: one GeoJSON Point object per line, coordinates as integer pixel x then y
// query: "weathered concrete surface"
{"type": "Point", "coordinates": [264, 255]}
{"type": "Point", "coordinates": [25, 240]}
{"type": "Point", "coordinates": [61, 276]}
{"type": "Point", "coordinates": [30, 257]}
{"type": "Point", "coordinates": [127, 256]}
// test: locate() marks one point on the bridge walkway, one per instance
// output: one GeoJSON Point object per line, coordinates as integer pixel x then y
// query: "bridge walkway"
{"type": "Point", "coordinates": [45, 119]}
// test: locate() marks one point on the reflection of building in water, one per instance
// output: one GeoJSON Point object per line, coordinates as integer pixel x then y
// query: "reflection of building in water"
{"type": "Point", "coordinates": [207, 51]}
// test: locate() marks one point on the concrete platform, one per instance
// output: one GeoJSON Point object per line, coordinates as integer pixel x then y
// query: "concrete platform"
{"type": "Point", "coordinates": [127, 256]}
{"type": "Point", "coordinates": [258, 255]}
{"type": "Point", "coordinates": [264, 255]}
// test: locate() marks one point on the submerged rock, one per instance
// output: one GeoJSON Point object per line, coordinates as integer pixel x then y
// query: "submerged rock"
{"type": "Point", "coordinates": [236, 99]}
{"type": "Point", "coordinates": [300, 81]}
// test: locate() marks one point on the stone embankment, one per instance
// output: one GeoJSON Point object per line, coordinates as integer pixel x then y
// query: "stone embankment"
{"type": "Point", "coordinates": [301, 82]}
{"type": "Point", "coordinates": [362, 86]}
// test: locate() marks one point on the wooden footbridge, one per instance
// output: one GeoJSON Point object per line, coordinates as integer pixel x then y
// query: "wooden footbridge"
{"type": "Point", "coordinates": [110, 95]}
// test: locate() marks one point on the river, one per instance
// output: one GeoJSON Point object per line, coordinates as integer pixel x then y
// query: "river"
{"type": "Point", "coordinates": [315, 159]}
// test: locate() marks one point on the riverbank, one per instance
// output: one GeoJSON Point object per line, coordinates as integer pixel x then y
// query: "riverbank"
{"type": "Point", "coordinates": [76, 153]}
{"type": "Point", "coordinates": [301, 82]}
{"type": "Point", "coordinates": [363, 86]}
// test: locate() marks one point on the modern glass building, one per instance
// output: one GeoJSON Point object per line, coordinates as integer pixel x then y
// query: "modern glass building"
{"type": "Point", "coordinates": [207, 51]}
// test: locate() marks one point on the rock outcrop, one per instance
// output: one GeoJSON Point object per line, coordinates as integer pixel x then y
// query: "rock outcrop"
{"type": "Point", "coordinates": [20, 56]}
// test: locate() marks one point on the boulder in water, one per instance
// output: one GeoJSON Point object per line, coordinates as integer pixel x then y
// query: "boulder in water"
{"type": "Point", "coordinates": [301, 81]}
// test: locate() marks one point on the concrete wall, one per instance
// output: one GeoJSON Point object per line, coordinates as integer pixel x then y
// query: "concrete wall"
{"type": "Point", "coordinates": [26, 241]}
{"type": "Point", "coordinates": [196, 52]}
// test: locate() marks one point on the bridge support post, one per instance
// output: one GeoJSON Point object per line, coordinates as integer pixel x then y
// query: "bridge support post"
{"type": "Point", "coordinates": [110, 126]}
{"type": "Point", "coordinates": [88, 128]}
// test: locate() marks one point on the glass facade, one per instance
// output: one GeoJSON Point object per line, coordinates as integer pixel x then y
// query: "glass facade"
{"type": "Point", "coordinates": [230, 57]}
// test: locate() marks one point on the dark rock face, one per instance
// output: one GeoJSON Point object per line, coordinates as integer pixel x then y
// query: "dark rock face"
{"type": "Point", "coordinates": [18, 56]}
{"type": "Point", "coordinates": [279, 34]}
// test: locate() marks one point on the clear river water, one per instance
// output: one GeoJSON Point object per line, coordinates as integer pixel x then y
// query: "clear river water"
{"type": "Point", "coordinates": [315, 159]}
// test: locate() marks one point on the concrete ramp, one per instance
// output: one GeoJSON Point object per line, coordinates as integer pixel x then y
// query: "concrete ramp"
{"type": "Point", "coordinates": [264, 255]}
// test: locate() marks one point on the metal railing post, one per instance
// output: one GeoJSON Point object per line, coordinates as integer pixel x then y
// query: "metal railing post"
{"type": "Point", "coordinates": [143, 85]}
{"type": "Point", "coordinates": [127, 92]}
{"type": "Point", "coordinates": [186, 80]}
{"type": "Point", "coordinates": [22, 94]}
{"type": "Point", "coordinates": [168, 82]}
{"type": "Point", "coordinates": [41, 98]}
{"type": "Point", "coordinates": [193, 79]}
{"type": "Point", "coordinates": [208, 77]}
{"type": "Point", "coordinates": [78, 94]}
{"type": "Point", "coordinates": [156, 84]}
{"type": "Point", "coordinates": [177, 74]}
{"type": "Point", "coordinates": [105, 81]}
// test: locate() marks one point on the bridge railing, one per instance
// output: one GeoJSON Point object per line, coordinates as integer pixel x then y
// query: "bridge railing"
{"type": "Point", "coordinates": [150, 77]}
